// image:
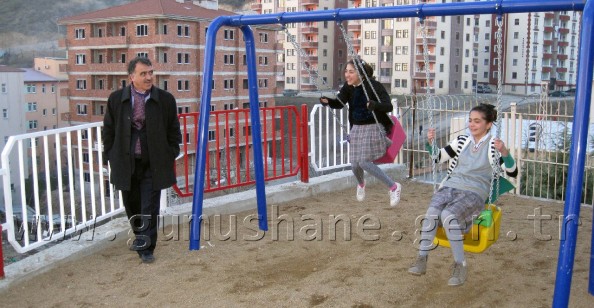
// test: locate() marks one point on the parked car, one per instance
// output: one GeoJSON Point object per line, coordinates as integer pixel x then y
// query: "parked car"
{"type": "Point", "coordinates": [290, 92]}
{"type": "Point", "coordinates": [558, 94]}
{"type": "Point", "coordinates": [570, 91]}
{"type": "Point", "coordinates": [483, 88]}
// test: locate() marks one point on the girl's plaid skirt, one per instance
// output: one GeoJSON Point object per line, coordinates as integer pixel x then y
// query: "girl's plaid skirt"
{"type": "Point", "coordinates": [367, 143]}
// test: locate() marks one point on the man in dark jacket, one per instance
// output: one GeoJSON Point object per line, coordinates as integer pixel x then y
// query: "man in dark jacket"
{"type": "Point", "coordinates": [141, 136]}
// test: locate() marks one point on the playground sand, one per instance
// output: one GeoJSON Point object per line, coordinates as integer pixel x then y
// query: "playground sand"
{"type": "Point", "coordinates": [367, 270]}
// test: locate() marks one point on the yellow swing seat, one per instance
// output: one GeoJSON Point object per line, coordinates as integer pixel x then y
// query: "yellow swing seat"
{"type": "Point", "coordinates": [484, 232]}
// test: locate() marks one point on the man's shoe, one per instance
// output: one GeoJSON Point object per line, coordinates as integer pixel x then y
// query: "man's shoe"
{"type": "Point", "coordinates": [458, 274]}
{"type": "Point", "coordinates": [138, 245]}
{"type": "Point", "coordinates": [395, 195]}
{"type": "Point", "coordinates": [360, 192]}
{"type": "Point", "coordinates": [147, 257]}
{"type": "Point", "coordinates": [420, 266]}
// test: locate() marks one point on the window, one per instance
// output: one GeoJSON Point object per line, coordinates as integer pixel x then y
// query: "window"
{"type": "Point", "coordinates": [263, 83]}
{"type": "Point", "coordinates": [44, 112]}
{"type": "Point", "coordinates": [81, 109]}
{"type": "Point", "coordinates": [142, 54]}
{"type": "Point", "coordinates": [183, 85]}
{"type": "Point", "coordinates": [229, 34]}
{"type": "Point", "coordinates": [32, 124]}
{"type": "Point", "coordinates": [80, 59]}
{"type": "Point", "coordinates": [87, 177]}
{"type": "Point", "coordinates": [79, 34]}
{"type": "Point", "coordinates": [81, 84]}
{"type": "Point", "coordinates": [53, 88]}
{"type": "Point", "coordinates": [515, 62]}
{"type": "Point", "coordinates": [31, 88]}
{"type": "Point", "coordinates": [246, 83]}
{"type": "Point", "coordinates": [212, 135]}
{"type": "Point", "coordinates": [516, 35]}
{"type": "Point", "coordinates": [263, 37]}
{"type": "Point", "coordinates": [228, 106]}
{"type": "Point", "coordinates": [183, 58]}
{"type": "Point", "coordinates": [5, 113]}
{"type": "Point", "coordinates": [229, 59]}
{"type": "Point", "coordinates": [263, 60]}
{"type": "Point", "coordinates": [43, 88]}
{"type": "Point", "coordinates": [4, 90]}
{"type": "Point", "coordinates": [516, 48]}
{"type": "Point", "coordinates": [85, 157]}
{"type": "Point", "coordinates": [141, 30]}
{"type": "Point", "coordinates": [183, 30]}
{"type": "Point", "coordinates": [514, 75]}
{"type": "Point", "coordinates": [32, 107]}
{"type": "Point", "coordinates": [228, 84]}
{"type": "Point", "coordinates": [517, 21]}
{"type": "Point", "coordinates": [184, 109]}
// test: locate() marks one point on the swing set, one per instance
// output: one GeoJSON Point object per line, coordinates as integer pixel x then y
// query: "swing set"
{"type": "Point", "coordinates": [420, 11]}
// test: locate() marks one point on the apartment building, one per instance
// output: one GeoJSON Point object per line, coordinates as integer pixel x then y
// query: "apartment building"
{"type": "Point", "coordinates": [539, 47]}
{"type": "Point", "coordinates": [461, 50]}
{"type": "Point", "coordinates": [317, 62]}
{"type": "Point", "coordinates": [12, 121]}
{"type": "Point", "coordinates": [172, 33]}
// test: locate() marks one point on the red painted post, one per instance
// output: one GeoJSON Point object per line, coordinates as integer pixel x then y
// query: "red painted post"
{"type": "Point", "coordinates": [1, 256]}
{"type": "Point", "coordinates": [304, 144]}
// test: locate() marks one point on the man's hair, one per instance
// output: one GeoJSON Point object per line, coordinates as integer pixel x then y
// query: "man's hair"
{"type": "Point", "coordinates": [132, 64]}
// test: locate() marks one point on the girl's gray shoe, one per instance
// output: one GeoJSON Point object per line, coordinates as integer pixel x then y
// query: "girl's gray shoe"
{"type": "Point", "coordinates": [420, 266]}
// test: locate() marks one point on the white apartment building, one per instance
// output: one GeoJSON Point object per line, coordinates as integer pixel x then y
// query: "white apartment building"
{"type": "Point", "coordinates": [461, 50]}
{"type": "Point", "coordinates": [12, 108]}
{"type": "Point", "coordinates": [319, 58]}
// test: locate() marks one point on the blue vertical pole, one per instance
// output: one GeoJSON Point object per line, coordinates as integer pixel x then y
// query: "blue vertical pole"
{"type": "Point", "coordinates": [575, 175]}
{"type": "Point", "coordinates": [202, 144]}
{"type": "Point", "coordinates": [250, 50]}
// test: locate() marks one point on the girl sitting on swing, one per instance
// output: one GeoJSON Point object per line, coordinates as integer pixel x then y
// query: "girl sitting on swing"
{"type": "Point", "coordinates": [367, 142]}
{"type": "Point", "coordinates": [462, 194]}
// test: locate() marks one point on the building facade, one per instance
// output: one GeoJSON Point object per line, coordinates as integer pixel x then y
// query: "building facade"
{"type": "Point", "coordinates": [172, 34]}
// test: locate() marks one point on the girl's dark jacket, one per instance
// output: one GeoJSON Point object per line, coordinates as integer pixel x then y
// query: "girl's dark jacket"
{"type": "Point", "coordinates": [381, 108]}
{"type": "Point", "coordinates": [162, 134]}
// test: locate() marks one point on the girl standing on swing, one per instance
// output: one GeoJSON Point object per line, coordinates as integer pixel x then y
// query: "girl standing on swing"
{"type": "Point", "coordinates": [462, 194]}
{"type": "Point", "coordinates": [367, 142]}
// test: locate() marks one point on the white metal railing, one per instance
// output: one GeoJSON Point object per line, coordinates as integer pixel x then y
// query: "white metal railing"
{"type": "Point", "coordinates": [54, 185]}
{"type": "Point", "coordinates": [541, 154]}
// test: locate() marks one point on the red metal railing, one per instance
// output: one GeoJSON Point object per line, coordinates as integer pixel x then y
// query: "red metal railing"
{"type": "Point", "coordinates": [229, 161]}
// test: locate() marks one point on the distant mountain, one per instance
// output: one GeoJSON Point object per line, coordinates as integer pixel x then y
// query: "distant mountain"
{"type": "Point", "coordinates": [29, 28]}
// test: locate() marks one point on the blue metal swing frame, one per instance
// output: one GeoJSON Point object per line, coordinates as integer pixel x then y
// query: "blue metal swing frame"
{"type": "Point", "coordinates": [579, 129]}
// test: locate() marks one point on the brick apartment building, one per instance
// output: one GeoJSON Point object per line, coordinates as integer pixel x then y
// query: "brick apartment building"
{"type": "Point", "coordinates": [172, 33]}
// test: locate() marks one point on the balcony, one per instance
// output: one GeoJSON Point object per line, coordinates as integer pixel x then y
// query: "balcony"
{"type": "Point", "coordinates": [562, 44]}
{"type": "Point", "coordinates": [421, 75]}
{"type": "Point", "coordinates": [354, 27]}
{"type": "Point", "coordinates": [308, 30]}
{"type": "Point", "coordinates": [385, 64]}
{"type": "Point", "coordinates": [561, 70]}
{"type": "Point", "coordinates": [356, 43]}
{"type": "Point", "coordinates": [546, 56]}
{"type": "Point", "coordinates": [564, 17]}
{"type": "Point", "coordinates": [310, 2]}
{"type": "Point", "coordinates": [308, 87]}
{"type": "Point", "coordinates": [387, 32]}
{"type": "Point", "coordinates": [108, 42]}
{"type": "Point", "coordinates": [564, 31]}
{"type": "Point", "coordinates": [386, 48]}
{"type": "Point", "coordinates": [109, 68]}
{"type": "Point", "coordinates": [561, 57]}
{"type": "Point", "coordinates": [385, 79]}
{"type": "Point", "coordinates": [548, 29]}
{"type": "Point", "coordinates": [309, 44]}
{"type": "Point", "coordinates": [430, 40]}
{"type": "Point", "coordinates": [420, 57]}
{"type": "Point", "coordinates": [547, 42]}
{"type": "Point", "coordinates": [257, 7]}
{"type": "Point", "coordinates": [549, 15]}
{"type": "Point", "coordinates": [546, 69]}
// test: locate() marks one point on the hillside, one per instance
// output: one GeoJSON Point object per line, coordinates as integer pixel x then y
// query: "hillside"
{"type": "Point", "coordinates": [29, 28]}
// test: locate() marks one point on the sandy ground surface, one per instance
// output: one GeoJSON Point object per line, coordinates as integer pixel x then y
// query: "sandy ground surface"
{"type": "Point", "coordinates": [314, 268]}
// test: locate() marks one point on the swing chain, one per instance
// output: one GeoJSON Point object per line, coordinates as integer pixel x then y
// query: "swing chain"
{"type": "Point", "coordinates": [430, 102]}
{"type": "Point", "coordinates": [360, 70]}
{"type": "Point", "coordinates": [313, 74]}
{"type": "Point", "coordinates": [495, 183]}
